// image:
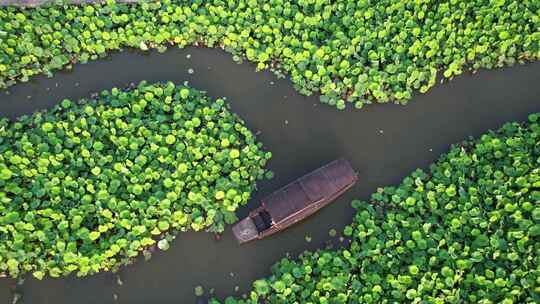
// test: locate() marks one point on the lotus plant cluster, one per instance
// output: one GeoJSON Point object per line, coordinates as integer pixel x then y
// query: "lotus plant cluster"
{"type": "Point", "coordinates": [89, 185]}
{"type": "Point", "coordinates": [466, 231]}
{"type": "Point", "coordinates": [352, 52]}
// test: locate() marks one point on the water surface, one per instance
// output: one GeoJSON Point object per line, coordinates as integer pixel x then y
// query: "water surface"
{"type": "Point", "coordinates": [383, 142]}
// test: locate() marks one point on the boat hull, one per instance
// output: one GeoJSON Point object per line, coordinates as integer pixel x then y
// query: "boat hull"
{"type": "Point", "coordinates": [298, 200]}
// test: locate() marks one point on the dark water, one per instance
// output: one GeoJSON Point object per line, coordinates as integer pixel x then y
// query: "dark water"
{"type": "Point", "coordinates": [383, 142]}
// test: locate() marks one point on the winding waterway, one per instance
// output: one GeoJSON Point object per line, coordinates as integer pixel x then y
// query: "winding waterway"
{"type": "Point", "coordinates": [383, 142]}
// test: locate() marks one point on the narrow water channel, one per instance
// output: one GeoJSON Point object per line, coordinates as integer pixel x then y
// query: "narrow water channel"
{"type": "Point", "coordinates": [383, 142]}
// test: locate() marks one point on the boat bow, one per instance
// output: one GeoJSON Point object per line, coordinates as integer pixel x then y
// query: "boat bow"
{"type": "Point", "coordinates": [245, 230]}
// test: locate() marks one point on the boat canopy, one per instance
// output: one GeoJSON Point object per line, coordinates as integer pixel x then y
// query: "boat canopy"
{"type": "Point", "coordinates": [309, 189]}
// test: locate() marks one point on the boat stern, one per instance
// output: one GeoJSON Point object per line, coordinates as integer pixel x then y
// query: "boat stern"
{"type": "Point", "coordinates": [245, 230]}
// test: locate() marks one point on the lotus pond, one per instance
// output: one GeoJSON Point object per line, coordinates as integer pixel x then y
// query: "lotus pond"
{"type": "Point", "coordinates": [466, 231]}
{"type": "Point", "coordinates": [352, 52]}
{"type": "Point", "coordinates": [88, 185]}
{"type": "Point", "coordinates": [384, 143]}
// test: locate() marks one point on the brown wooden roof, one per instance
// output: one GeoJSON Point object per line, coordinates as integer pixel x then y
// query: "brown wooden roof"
{"type": "Point", "coordinates": [319, 184]}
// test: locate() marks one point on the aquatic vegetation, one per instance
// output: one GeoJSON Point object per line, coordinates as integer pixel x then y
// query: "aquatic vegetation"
{"type": "Point", "coordinates": [467, 231]}
{"type": "Point", "coordinates": [332, 232]}
{"type": "Point", "coordinates": [199, 291]}
{"type": "Point", "coordinates": [351, 52]}
{"type": "Point", "coordinates": [89, 185]}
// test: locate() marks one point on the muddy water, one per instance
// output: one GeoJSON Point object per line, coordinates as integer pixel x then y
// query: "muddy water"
{"type": "Point", "coordinates": [383, 142]}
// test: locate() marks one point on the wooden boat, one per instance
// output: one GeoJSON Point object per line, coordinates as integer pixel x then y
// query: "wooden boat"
{"type": "Point", "coordinates": [296, 201]}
